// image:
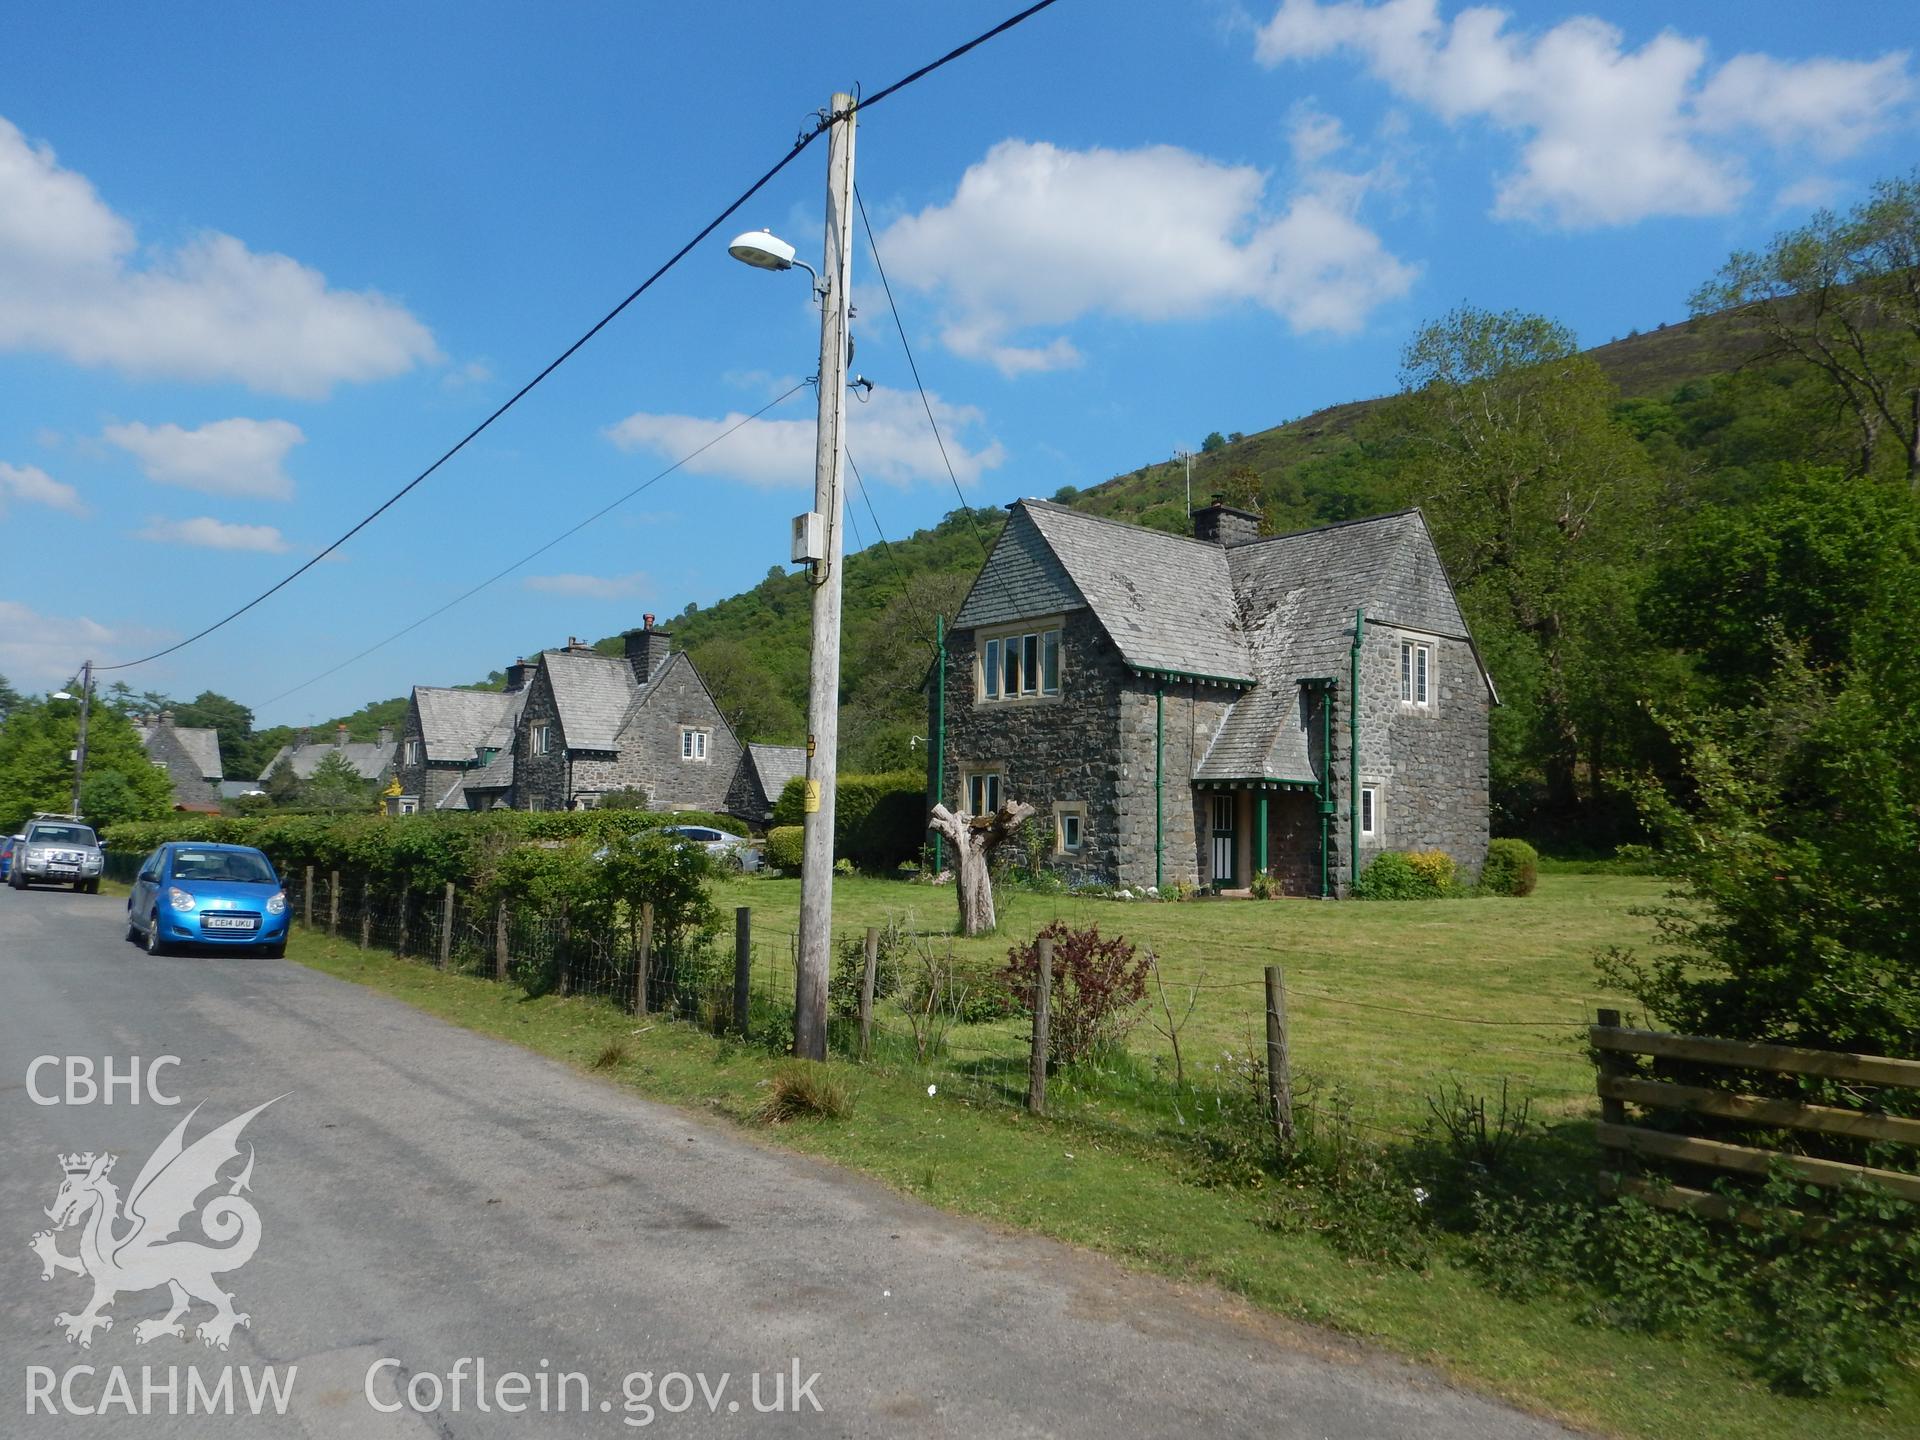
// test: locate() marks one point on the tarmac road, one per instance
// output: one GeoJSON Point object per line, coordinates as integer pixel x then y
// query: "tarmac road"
{"type": "Point", "coordinates": [439, 1200]}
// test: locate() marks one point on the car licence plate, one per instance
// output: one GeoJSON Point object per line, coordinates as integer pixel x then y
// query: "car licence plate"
{"type": "Point", "coordinates": [59, 869]}
{"type": "Point", "coordinates": [228, 922]}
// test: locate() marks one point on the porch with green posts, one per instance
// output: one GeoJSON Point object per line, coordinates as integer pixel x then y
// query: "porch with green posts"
{"type": "Point", "coordinates": [1241, 838]}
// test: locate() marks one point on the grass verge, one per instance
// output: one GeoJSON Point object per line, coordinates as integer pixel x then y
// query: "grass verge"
{"type": "Point", "coordinates": [1145, 1205]}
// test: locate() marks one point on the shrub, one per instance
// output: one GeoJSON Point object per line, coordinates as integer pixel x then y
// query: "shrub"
{"type": "Point", "coordinates": [803, 1088]}
{"type": "Point", "coordinates": [785, 846]}
{"type": "Point", "coordinates": [1435, 867]}
{"type": "Point", "coordinates": [1097, 983]}
{"type": "Point", "coordinates": [1512, 868]}
{"type": "Point", "coordinates": [879, 821]}
{"type": "Point", "coordinates": [1394, 876]}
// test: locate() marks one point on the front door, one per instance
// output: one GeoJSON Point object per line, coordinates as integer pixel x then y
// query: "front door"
{"type": "Point", "coordinates": [1225, 804]}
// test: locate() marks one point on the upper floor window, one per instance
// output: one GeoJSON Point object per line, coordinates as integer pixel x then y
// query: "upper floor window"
{"type": "Point", "coordinates": [413, 752]}
{"type": "Point", "coordinates": [1416, 665]}
{"type": "Point", "coordinates": [542, 739]}
{"type": "Point", "coordinates": [693, 743]}
{"type": "Point", "coordinates": [1020, 665]}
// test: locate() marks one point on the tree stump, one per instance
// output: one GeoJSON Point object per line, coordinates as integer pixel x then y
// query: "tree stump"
{"type": "Point", "coordinates": [974, 839]}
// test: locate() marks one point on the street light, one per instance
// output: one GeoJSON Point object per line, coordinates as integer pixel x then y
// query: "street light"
{"type": "Point", "coordinates": [822, 553]}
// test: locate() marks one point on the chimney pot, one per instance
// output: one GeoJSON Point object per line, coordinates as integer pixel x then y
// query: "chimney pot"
{"type": "Point", "coordinates": [648, 620]}
{"type": "Point", "coordinates": [340, 735]}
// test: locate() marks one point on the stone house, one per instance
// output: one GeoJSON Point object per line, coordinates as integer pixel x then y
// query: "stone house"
{"type": "Point", "coordinates": [764, 772]}
{"type": "Point", "coordinates": [456, 746]}
{"type": "Point", "coordinates": [190, 756]}
{"type": "Point", "coordinates": [1188, 710]}
{"type": "Point", "coordinates": [372, 760]}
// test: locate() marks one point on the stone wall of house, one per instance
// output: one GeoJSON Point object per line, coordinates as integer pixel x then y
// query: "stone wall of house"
{"type": "Point", "coordinates": [649, 758]}
{"type": "Point", "coordinates": [428, 780]}
{"type": "Point", "coordinates": [539, 781]}
{"type": "Point", "coordinates": [1188, 719]}
{"type": "Point", "coordinates": [1428, 765]}
{"type": "Point", "coordinates": [190, 787]}
{"type": "Point", "coordinates": [1049, 750]}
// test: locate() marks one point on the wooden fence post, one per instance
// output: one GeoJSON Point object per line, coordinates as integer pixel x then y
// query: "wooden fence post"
{"type": "Point", "coordinates": [500, 940]}
{"type": "Point", "coordinates": [306, 899]}
{"type": "Point", "coordinates": [366, 910]}
{"type": "Point", "coordinates": [564, 946]}
{"type": "Point", "coordinates": [406, 918]}
{"type": "Point", "coordinates": [1279, 1074]}
{"type": "Point", "coordinates": [446, 924]}
{"type": "Point", "coordinates": [333, 902]}
{"type": "Point", "coordinates": [1042, 1002]}
{"type": "Point", "coordinates": [866, 992]}
{"type": "Point", "coordinates": [645, 959]}
{"type": "Point", "coordinates": [742, 969]}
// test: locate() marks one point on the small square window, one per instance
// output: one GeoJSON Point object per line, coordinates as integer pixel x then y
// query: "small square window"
{"type": "Point", "coordinates": [1069, 828]}
{"type": "Point", "coordinates": [1369, 811]}
{"type": "Point", "coordinates": [409, 805]}
{"type": "Point", "coordinates": [983, 792]}
{"type": "Point", "coordinates": [693, 744]}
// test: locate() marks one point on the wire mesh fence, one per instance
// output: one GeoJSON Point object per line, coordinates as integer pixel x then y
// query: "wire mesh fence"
{"type": "Point", "coordinates": [955, 1027]}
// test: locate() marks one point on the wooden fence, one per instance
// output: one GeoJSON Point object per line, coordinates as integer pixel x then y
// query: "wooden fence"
{"type": "Point", "coordinates": [1620, 1086]}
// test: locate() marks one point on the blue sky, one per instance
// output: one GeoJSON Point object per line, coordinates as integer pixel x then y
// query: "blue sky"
{"type": "Point", "coordinates": [259, 264]}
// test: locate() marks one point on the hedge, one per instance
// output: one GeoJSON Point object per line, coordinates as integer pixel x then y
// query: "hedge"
{"type": "Point", "coordinates": [879, 821]}
{"type": "Point", "coordinates": [785, 845]}
{"type": "Point", "coordinates": [1512, 868]}
{"type": "Point", "coordinates": [428, 850]}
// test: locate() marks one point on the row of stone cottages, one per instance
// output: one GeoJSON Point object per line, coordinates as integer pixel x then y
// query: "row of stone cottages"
{"type": "Point", "coordinates": [571, 726]}
{"type": "Point", "coordinates": [1178, 709]}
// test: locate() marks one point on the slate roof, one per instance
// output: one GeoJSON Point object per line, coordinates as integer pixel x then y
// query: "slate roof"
{"type": "Point", "coordinates": [593, 693]}
{"type": "Point", "coordinates": [456, 723]}
{"type": "Point", "coordinates": [496, 775]}
{"type": "Point", "coordinates": [1267, 614]}
{"type": "Point", "coordinates": [202, 747]}
{"type": "Point", "coordinates": [776, 765]}
{"type": "Point", "coordinates": [370, 759]}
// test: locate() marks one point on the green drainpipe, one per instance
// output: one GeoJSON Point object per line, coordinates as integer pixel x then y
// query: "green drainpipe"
{"type": "Point", "coordinates": [1353, 747]}
{"type": "Point", "coordinates": [1326, 784]}
{"type": "Point", "coordinates": [1159, 815]}
{"type": "Point", "coordinates": [940, 735]}
{"type": "Point", "coordinates": [1260, 833]}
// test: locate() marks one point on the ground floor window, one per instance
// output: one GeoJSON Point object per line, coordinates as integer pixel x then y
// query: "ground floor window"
{"type": "Point", "coordinates": [982, 790]}
{"type": "Point", "coordinates": [409, 805]}
{"type": "Point", "coordinates": [1369, 810]}
{"type": "Point", "coordinates": [1069, 827]}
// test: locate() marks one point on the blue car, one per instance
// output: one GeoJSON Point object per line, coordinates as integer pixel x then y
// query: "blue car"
{"type": "Point", "coordinates": [188, 893]}
{"type": "Point", "coordinates": [6, 856]}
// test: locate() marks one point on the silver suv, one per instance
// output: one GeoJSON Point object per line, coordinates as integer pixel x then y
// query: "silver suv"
{"type": "Point", "coordinates": [57, 850]}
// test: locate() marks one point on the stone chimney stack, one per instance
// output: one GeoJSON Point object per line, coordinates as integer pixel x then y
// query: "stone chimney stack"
{"type": "Point", "coordinates": [647, 649]}
{"type": "Point", "coordinates": [1223, 524]}
{"type": "Point", "coordinates": [300, 738]}
{"type": "Point", "coordinates": [165, 718]}
{"type": "Point", "coordinates": [518, 674]}
{"type": "Point", "coordinates": [340, 735]}
{"type": "Point", "coordinates": [386, 736]}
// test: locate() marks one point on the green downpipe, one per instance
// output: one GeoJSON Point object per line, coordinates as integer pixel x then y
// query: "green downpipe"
{"type": "Point", "coordinates": [1326, 785]}
{"type": "Point", "coordinates": [1260, 835]}
{"type": "Point", "coordinates": [1353, 748]}
{"type": "Point", "coordinates": [1159, 808]}
{"type": "Point", "coordinates": [940, 736]}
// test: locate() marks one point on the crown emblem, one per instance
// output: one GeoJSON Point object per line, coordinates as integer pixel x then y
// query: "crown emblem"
{"type": "Point", "coordinates": [78, 1164]}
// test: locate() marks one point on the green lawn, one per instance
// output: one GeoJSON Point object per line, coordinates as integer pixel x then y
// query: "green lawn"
{"type": "Point", "coordinates": [1139, 1198]}
{"type": "Point", "coordinates": [1387, 1001]}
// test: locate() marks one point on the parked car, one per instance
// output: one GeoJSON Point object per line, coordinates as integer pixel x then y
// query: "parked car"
{"type": "Point", "coordinates": [56, 850]}
{"type": "Point", "coordinates": [188, 893]}
{"type": "Point", "coordinates": [6, 855]}
{"type": "Point", "coordinates": [735, 852]}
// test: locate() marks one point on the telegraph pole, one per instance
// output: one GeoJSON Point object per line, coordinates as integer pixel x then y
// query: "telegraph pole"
{"type": "Point", "coordinates": [823, 674]}
{"type": "Point", "coordinates": [80, 744]}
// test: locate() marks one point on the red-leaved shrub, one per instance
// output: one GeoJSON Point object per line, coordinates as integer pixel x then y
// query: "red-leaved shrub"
{"type": "Point", "coordinates": [1097, 985]}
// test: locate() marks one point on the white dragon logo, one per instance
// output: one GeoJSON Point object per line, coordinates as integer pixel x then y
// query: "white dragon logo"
{"type": "Point", "coordinates": [144, 1255]}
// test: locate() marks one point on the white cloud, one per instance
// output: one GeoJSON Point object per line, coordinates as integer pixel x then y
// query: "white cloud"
{"type": "Point", "coordinates": [73, 283]}
{"type": "Point", "coordinates": [593, 587]}
{"type": "Point", "coordinates": [39, 651]}
{"type": "Point", "coordinates": [887, 435]}
{"type": "Point", "coordinates": [1037, 236]}
{"type": "Point", "coordinates": [210, 534]}
{"type": "Point", "coordinates": [1608, 135]}
{"type": "Point", "coordinates": [1313, 135]}
{"type": "Point", "coordinates": [226, 457]}
{"type": "Point", "coordinates": [31, 485]}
